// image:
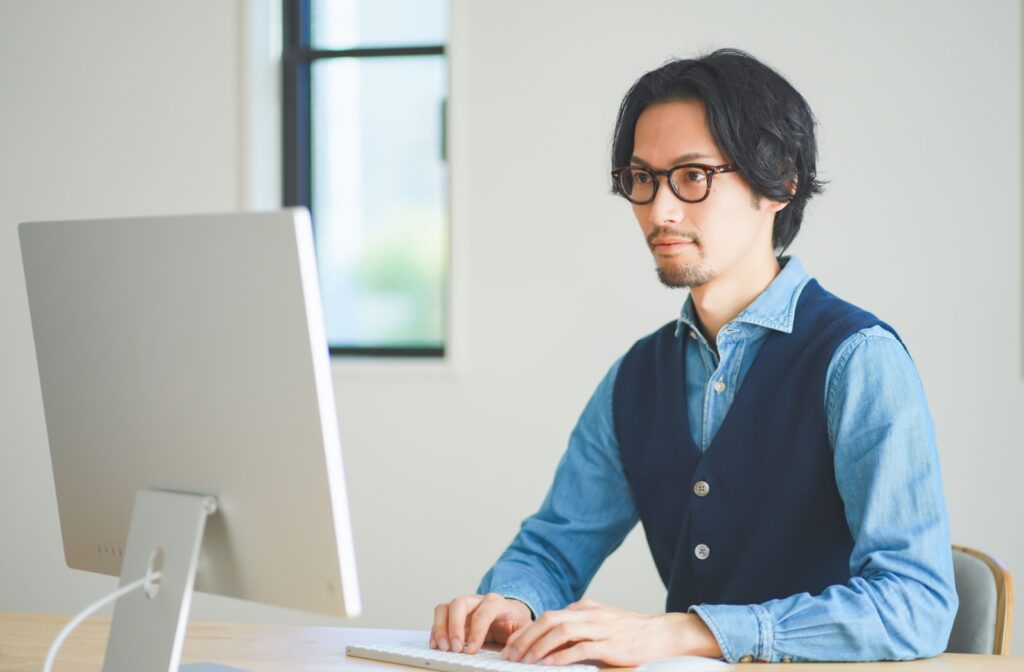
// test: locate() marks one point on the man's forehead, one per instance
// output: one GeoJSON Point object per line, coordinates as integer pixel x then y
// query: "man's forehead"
{"type": "Point", "coordinates": [683, 158]}
{"type": "Point", "coordinates": [673, 132]}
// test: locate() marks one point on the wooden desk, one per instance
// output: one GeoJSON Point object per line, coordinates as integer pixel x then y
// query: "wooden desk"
{"type": "Point", "coordinates": [24, 640]}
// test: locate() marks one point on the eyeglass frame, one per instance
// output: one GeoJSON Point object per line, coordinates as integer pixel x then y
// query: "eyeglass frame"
{"type": "Point", "coordinates": [709, 171]}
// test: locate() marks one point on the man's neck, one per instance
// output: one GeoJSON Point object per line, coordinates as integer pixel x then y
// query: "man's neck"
{"type": "Point", "coordinates": [722, 299]}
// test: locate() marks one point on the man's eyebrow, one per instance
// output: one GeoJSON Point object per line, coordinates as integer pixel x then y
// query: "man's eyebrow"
{"type": "Point", "coordinates": [685, 158]}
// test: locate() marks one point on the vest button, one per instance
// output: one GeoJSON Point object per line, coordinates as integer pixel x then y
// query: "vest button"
{"type": "Point", "coordinates": [701, 488]}
{"type": "Point", "coordinates": [702, 551]}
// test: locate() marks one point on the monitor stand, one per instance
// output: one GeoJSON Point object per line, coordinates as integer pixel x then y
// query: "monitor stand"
{"type": "Point", "coordinates": [148, 628]}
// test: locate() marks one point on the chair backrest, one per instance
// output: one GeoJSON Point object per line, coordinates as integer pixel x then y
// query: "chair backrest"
{"type": "Point", "coordinates": [985, 617]}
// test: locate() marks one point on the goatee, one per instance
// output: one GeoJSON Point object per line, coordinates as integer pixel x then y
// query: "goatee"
{"type": "Point", "coordinates": [693, 275]}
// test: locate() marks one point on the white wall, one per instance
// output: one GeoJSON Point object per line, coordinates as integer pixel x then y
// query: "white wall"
{"type": "Point", "coordinates": [133, 107]}
{"type": "Point", "coordinates": [106, 108]}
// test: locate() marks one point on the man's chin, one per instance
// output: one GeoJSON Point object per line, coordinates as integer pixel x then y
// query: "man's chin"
{"type": "Point", "coordinates": [689, 275]}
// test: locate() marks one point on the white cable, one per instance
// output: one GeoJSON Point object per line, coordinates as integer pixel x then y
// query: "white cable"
{"type": "Point", "coordinates": [85, 613]}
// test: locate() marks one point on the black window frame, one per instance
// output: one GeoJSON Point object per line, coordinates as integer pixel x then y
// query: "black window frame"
{"type": "Point", "coordinates": [297, 60]}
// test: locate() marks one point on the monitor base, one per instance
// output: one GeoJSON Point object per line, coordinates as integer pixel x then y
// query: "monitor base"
{"type": "Point", "coordinates": [148, 628]}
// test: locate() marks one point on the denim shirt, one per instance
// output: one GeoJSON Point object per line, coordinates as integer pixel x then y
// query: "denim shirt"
{"type": "Point", "coordinates": [900, 600]}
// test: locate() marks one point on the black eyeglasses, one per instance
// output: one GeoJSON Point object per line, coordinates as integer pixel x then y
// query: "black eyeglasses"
{"type": "Point", "coordinates": [690, 182]}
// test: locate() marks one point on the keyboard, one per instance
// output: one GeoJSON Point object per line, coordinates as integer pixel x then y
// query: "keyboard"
{"type": "Point", "coordinates": [421, 655]}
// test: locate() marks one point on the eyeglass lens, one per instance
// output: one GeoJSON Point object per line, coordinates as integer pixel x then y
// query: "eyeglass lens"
{"type": "Point", "coordinates": [688, 183]}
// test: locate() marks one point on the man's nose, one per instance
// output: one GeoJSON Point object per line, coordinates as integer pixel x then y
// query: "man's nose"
{"type": "Point", "coordinates": [666, 206]}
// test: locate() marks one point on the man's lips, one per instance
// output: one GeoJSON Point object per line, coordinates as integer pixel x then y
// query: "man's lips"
{"type": "Point", "coordinates": [670, 244]}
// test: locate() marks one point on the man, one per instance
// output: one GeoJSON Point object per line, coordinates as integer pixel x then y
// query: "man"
{"type": "Point", "coordinates": [774, 441]}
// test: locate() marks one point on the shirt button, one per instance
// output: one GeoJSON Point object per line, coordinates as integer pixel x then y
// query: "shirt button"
{"type": "Point", "coordinates": [747, 659]}
{"type": "Point", "coordinates": [787, 659]}
{"type": "Point", "coordinates": [701, 488]}
{"type": "Point", "coordinates": [702, 551]}
{"type": "Point", "coordinates": [720, 386]}
{"type": "Point", "coordinates": [693, 334]}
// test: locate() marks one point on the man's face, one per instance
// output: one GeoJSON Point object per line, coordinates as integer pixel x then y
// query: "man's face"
{"type": "Point", "coordinates": [694, 243]}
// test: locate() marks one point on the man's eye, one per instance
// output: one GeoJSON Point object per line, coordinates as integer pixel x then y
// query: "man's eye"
{"type": "Point", "coordinates": [642, 178]}
{"type": "Point", "coordinates": [694, 175]}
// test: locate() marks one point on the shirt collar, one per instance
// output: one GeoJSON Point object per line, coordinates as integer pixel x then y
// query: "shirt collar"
{"type": "Point", "coordinates": [774, 308]}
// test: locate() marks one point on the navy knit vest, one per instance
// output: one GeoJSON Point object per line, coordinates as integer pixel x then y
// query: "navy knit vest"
{"type": "Point", "coordinates": [772, 518]}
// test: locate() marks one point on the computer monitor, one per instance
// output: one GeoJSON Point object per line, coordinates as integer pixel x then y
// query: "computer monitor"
{"type": "Point", "coordinates": [187, 392]}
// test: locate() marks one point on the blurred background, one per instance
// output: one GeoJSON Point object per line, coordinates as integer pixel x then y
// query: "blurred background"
{"type": "Point", "coordinates": [471, 311]}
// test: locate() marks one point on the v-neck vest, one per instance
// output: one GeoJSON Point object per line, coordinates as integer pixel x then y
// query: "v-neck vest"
{"type": "Point", "coordinates": [758, 516]}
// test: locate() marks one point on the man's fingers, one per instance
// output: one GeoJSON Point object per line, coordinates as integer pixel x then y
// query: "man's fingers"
{"type": "Point", "coordinates": [519, 642]}
{"type": "Point", "coordinates": [522, 641]}
{"type": "Point", "coordinates": [514, 636]}
{"type": "Point", "coordinates": [481, 620]}
{"type": "Point", "coordinates": [458, 609]}
{"type": "Point", "coordinates": [439, 632]}
{"type": "Point", "coordinates": [558, 637]}
{"type": "Point", "coordinates": [574, 654]}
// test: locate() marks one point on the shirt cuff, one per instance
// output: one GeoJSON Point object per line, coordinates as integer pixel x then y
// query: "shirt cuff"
{"type": "Point", "coordinates": [745, 633]}
{"type": "Point", "coordinates": [523, 593]}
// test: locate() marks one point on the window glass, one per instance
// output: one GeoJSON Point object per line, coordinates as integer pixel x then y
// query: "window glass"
{"type": "Point", "coordinates": [379, 197]}
{"type": "Point", "coordinates": [346, 24]}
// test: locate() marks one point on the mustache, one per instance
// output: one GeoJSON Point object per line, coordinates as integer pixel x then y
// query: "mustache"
{"type": "Point", "coordinates": [667, 231]}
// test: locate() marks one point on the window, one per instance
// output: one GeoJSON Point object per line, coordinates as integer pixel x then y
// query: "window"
{"type": "Point", "coordinates": [365, 90]}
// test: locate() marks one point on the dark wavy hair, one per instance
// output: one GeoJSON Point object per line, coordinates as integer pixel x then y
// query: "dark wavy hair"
{"type": "Point", "coordinates": [757, 119]}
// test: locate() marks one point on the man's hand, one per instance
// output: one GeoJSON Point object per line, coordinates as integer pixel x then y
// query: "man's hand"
{"type": "Point", "coordinates": [587, 630]}
{"type": "Point", "coordinates": [465, 623]}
